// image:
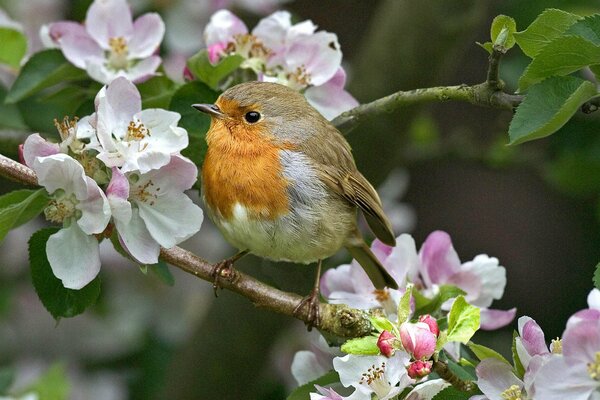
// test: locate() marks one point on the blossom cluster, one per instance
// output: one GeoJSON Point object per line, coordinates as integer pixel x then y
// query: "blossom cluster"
{"type": "Point", "coordinates": [295, 55]}
{"type": "Point", "coordinates": [135, 155]}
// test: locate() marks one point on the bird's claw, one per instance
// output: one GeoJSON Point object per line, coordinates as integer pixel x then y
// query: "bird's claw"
{"type": "Point", "coordinates": [223, 269]}
{"type": "Point", "coordinates": [313, 313]}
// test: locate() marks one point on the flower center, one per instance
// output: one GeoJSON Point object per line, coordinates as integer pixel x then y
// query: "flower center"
{"type": "Point", "coordinates": [299, 79]}
{"type": "Point", "coordinates": [67, 129]}
{"type": "Point", "coordinates": [119, 51]}
{"type": "Point", "coordinates": [594, 367]}
{"type": "Point", "coordinates": [146, 193]}
{"type": "Point", "coordinates": [248, 46]}
{"type": "Point", "coordinates": [381, 295]}
{"type": "Point", "coordinates": [61, 207]}
{"type": "Point", "coordinates": [136, 131]}
{"type": "Point", "coordinates": [375, 379]}
{"type": "Point", "coordinates": [556, 346]}
{"type": "Point", "coordinates": [512, 393]}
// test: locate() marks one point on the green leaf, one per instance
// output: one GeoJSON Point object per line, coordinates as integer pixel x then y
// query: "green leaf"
{"type": "Point", "coordinates": [463, 321]}
{"type": "Point", "coordinates": [425, 305]}
{"type": "Point", "coordinates": [518, 365]}
{"type": "Point", "coordinates": [303, 392]}
{"type": "Point", "coordinates": [210, 74]}
{"type": "Point", "coordinates": [53, 385]}
{"type": "Point", "coordinates": [58, 300]}
{"type": "Point", "coordinates": [404, 305]}
{"type": "Point", "coordinates": [507, 26]}
{"type": "Point", "coordinates": [483, 352]}
{"type": "Point", "coordinates": [561, 56]}
{"type": "Point", "coordinates": [161, 270]}
{"type": "Point", "coordinates": [157, 92]}
{"type": "Point", "coordinates": [451, 393]}
{"type": "Point", "coordinates": [44, 69]}
{"type": "Point", "coordinates": [19, 207]}
{"type": "Point", "coordinates": [487, 46]}
{"type": "Point", "coordinates": [597, 276]}
{"type": "Point", "coordinates": [14, 46]}
{"type": "Point", "coordinates": [10, 116]}
{"type": "Point", "coordinates": [382, 324]}
{"type": "Point", "coordinates": [7, 377]}
{"type": "Point", "coordinates": [551, 24]}
{"type": "Point", "coordinates": [548, 106]}
{"type": "Point", "coordinates": [588, 28]}
{"type": "Point", "coordinates": [195, 122]}
{"type": "Point", "coordinates": [366, 346]}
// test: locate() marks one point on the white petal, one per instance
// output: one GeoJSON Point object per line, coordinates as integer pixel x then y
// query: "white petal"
{"type": "Point", "coordinates": [73, 256]}
{"type": "Point", "coordinates": [272, 32]}
{"type": "Point", "coordinates": [172, 218]}
{"type": "Point", "coordinates": [319, 54]}
{"type": "Point", "coordinates": [305, 367]}
{"type": "Point", "coordinates": [403, 261]}
{"type": "Point", "coordinates": [222, 27]}
{"type": "Point", "coordinates": [97, 70]}
{"type": "Point", "coordinates": [124, 102]}
{"type": "Point", "coordinates": [143, 70]}
{"type": "Point", "coordinates": [495, 377]}
{"type": "Point", "coordinates": [492, 279]}
{"type": "Point", "coordinates": [108, 19]}
{"type": "Point", "coordinates": [427, 390]}
{"type": "Point", "coordinates": [329, 100]}
{"type": "Point", "coordinates": [76, 44]}
{"type": "Point", "coordinates": [557, 380]}
{"type": "Point", "coordinates": [593, 299]}
{"type": "Point", "coordinates": [95, 210]}
{"type": "Point", "coordinates": [60, 171]}
{"type": "Point", "coordinates": [148, 32]}
{"type": "Point", "coordinates": [136, 239]}
{"type": "Point", "coordinates": [179, 175]}
{"type": "Point", "coordinates": [37, 146]}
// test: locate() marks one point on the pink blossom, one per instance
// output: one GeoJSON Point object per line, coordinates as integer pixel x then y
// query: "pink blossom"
{"type": "Point", "coordinates": [419, 369]}
{"type": "Point", "coordinates": [431, 322]}
{"type": "Point", "coordinates": [418, 340]}
{"type": "Point", "coordinates": [386, 343]}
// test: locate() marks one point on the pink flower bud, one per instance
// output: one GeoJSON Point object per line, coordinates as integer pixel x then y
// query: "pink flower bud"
{"type": "Point", "coordinates": [21, 158]}
{"type": "Point", "coordinates": [187, 74]}
{"type": "Point", "coordinates": [418, 369]}
{"type": "Point", "coordinates": [215, 51]}
{"type": "Point", "coordinates": [431, 322]}
{"type": "Point", "coordinates": [418, 340]}
{"type": "Point", "coordinates": [386, 343]}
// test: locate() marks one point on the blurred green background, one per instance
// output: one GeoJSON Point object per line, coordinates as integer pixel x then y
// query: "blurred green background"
{"type": "Point", "coordinates": [535, 207]}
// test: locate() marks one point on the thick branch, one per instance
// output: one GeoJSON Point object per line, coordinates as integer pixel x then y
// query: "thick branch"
{"type": "Point", "coordinates": [336, 320]}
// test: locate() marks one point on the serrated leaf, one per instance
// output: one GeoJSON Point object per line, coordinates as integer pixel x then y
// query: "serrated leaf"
{"type": "Point", "coordinates": [483, 352]}
{"type": "Point", "coordinates": [518, 365]}
{"type": "Point", "coordinates": [157, 92]}
{"type": "Point", "coordinates": [303, 392]}
{"type": "Point", "coordinates": [463, 321]}
{"type": "Point", "coordinates": [588, 28]}
{"type": "Point", "coordinates": [548, 106]}
{"type": "Point", "coordinates": [200, 66]}
{"type": "Point", "coordinates": [53, 385]}
{"type": "Point", "coordinates": [161, 270]}
{"type": "Point", "coordinates": [58, 300]}
{"type": "Point", "coordinates": [382, 324]}
{"type": "Point", "coordinates": [195, 122]}
{"type": "Point", "coordinates": [551, 24]}
{"type": "Point", "coordinates": [19, 207]}
{"type": "Point", "coordinates": [508, 24]}
{"type": "Point", "coordinates": [597, 276]}
{"type": "Point", "coordinates": [560, 57]}
{"type": "Point", "coordinates": [428, 306]}
{"type": "Point", "coordinates": [404, 305]}
{"type": "Point", "coordinates": [13, 48]}
{"type": "Point", "coordinates": [42, 70]}
{"type": "Point", "coordinates": [451, 393]}
{"type": "Point", "coordinates": [366, 346]}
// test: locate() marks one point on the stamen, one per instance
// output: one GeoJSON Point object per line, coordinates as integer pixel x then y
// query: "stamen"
{"type": "Point", "coordinates": [556, 346]}
{"type": "Point", "coordinates": [594, 367]}
{"type": "Point", "coordinates": [382, 295]}
{"type": "Point", "coordinates": [146, 193]}
{"type": "Point", "coordinates": [136, 132]}
{"type": "Point", "coordinates": [119, 51]}
{"type": "Point", "coordinates": [66, 128]}
{"type": "Point", "coordinates": [61, 208]}
{"type": "Point", "coordinates": [512, 393]}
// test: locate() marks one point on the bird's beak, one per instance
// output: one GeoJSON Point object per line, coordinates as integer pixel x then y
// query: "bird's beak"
{"type": "Point", "coordinates": [210, 109]}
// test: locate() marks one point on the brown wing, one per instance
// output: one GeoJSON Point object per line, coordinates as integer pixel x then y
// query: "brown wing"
{"type": "Point", "coordinates": [332, 154]}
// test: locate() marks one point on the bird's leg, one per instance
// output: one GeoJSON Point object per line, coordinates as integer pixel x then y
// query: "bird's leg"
{"type": "Point", "coordinates": [312, 302]}
{"type": "Point", "coordinates": [224, 269]}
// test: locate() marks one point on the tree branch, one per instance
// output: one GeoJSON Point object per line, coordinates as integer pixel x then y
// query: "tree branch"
{"type": "Point", "coordinates": [336, 319]}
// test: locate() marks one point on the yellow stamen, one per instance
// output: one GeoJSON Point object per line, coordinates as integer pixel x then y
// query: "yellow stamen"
{"type": "Point", "coordinates": [556, 346]}
{"type": "Point", "coordinates": [60, 209]}
{"type": "Point", "coordinates": [512, 393]}
{"type": "Point", "coordinates": [136, 132]}
{"type": "Point", "coordinates": [118, 53]}
{"type": "Point", "coordinates": [594, 367]}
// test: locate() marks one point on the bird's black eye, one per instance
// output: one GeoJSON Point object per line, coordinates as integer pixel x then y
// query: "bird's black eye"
{"type": "Point", "coordinates": [252, 117]}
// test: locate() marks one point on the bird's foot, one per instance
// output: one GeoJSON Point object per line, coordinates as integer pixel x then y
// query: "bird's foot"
{"type": "Point", "coordinates": [224, 270]}
{"type": "Point", "coordinates": [312, 303]}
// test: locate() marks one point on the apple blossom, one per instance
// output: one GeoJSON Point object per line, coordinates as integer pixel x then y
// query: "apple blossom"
{"type": "Point", "coordinates": [419, 369]}
{"type": "Point", "coordinates": [387, 343]}
{"type": "Point", "coordinates": [431, 323]}
{"type": "Point", "coordinates": [497, 381]}
{"type": "Point", "coordinates": [325, 394]}
{"type": "Point", "coordinates": [418, 340]}
{"type": "Point", "coordinates": [110, 44]}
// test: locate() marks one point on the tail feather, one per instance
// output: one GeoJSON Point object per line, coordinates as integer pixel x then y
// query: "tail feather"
{"type": "Point", "coordinates": [376, 272]}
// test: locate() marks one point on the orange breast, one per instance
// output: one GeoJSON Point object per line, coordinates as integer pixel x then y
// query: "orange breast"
{"type": "Point", "coordinates": [244, 168]}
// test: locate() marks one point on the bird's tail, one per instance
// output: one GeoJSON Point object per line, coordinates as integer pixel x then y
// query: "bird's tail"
{"type": "Point", "coordinates": [376, 272]}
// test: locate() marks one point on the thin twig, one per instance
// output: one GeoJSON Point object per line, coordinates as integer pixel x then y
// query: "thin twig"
{"type": "Point", "coordinates": [442, 369]}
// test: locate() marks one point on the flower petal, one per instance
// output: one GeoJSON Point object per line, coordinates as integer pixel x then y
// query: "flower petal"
{"type": "Point", "coordinates": [116, 106]}
{"type": "Point", "coordinates": [222, 27]}
{"type": "Point", "coordinates": [492, 278]}
{"type": "Point", "coordinates": [329, 99]}
{"type": "Point", "coordinates": [144, 69]}
{"type": "Point", "coordinates": [305, 367]}
{"type": "Point", "coordinates": [581, 342]}
{"type": "Point", "coordinates": [272, 32]}
{"type": "Point", "coordinates": [95, 210]}
{"type": "Point", "coordinates": [60, 171]}
{"type": "Point", "coordinates": [439, 258]}
{"type": "Point", "coordinates": [74, 256]}
{"type": "Point", "coordinates": [593, 299]}
{"type": "Point", "coordinates": [427, 390]}
{"type": "Point", "coordinates": [148, 32]}
{"type": "Point", "coordinates": [495, 377]}
{"type": "Point", "coordinates": [319, 54]}
{"type": "Point", "coordinates": [403, 262]}
{"type": "Point", "coordinates": [136, 239]}
{"type": "Point", "coordinates": [491, 319]}
{"type": "Point", "coordinates": [557, 380]}
{"type": "Point", "coordinates": [76, 44]}
{"type": "Point", "coordinates": [532, 337]}
{"type": "Point", "coordinates": [37, 146]}
{"type": "Point", "coordinates": [108, 19]}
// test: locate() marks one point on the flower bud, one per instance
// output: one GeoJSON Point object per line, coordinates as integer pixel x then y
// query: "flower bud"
{"type": "Point", "coordinates": [21, 157]}
{"type": "Point", "coordinates": [386, 343]}
{"type": "Point", "coordinates": [431, 322]}
{"type": "Point", "coordinates": [418, 369]}
{"type": "Point", "coordinates": [418, 340]}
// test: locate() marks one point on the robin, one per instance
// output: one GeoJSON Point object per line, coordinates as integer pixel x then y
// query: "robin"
{"type": "Point", "coordinates": [280, 182]}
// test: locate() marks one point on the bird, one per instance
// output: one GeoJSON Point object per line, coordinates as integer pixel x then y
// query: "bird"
{"type": "Point", "coordinates": [280, 182]}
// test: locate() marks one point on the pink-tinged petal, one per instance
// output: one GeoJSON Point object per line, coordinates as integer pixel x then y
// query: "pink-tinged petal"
{"type": "Point", "coordinates": [77, 46]}
{"type": "Point", "coordinates": [37, 146]}
{"type": "Point", "coordinates": [491, 277]}
{"type": "Point", "coordinates": [581, 342]}
{"type": "Point", "coordinates": [593, 299]}
{"type": "Point", "coordinates": [60, 171]}
{"type": "Point", "coordinates": [306, 367]}
{"type": "Point", "coordinates": [57, 30]}
{"type": "Point", "coordinates": [179, 175]}
{"type": "Point", "coordinates": [325, 394]}
{"type": "Point", "coordinates": [148, 32]}
{"type": "Point", "coordinates": [116, 109]}
{"type": "Point", "coordinates": [330, 100]}
{"type": "Point", "coordinates": [469, 282]}
{"type": "Point", "coordinates": [439, 259]}
{"type": "Point", "coordinates": [144, 69]}
{"type": "Point", "coordinates": [108, 19]}
{"type": "Point", "coordinates": [95, 210]}
{"type": "Point", "coordinates": [215, 51]}
{"type": "Point", "coordinates": [136, 239]}
{"type": "Point", "coordinates": [336, 280]}
{"type": "Point", "coordinates": [427, 390]}
{"type": "Point", "coordinates": [557, 380]}
{"type": "Point", "coordinates": [73, 256]}
{"type": "Point", "coordinates": [98, 71]}
{"type": "Point", "coordinates": [532, 337]}
{"type": "Point", "coordinates": [403, 262]}
{"type": "Point", "coordinates": [495, 377]}
{"type": "Point", "coordinates": [588, 314]}
{"type": "Point", "coordinates": [272, 32]}
{"type": "Point", "coordinates": [381, 250]}
{"type": "Point", "coordinates": [118, 185]}
{"type": "Point", "coordinates": [418, 340]}
{"type": "Point", "coordinates": [419, 369]}
{"type": "Point", "coordinates": [319, 54]}
{"type": "Point", "coordinates": [386, 342]}
{"type": "Point", "coordinates": [222, 27]}
{"type": "Point", "coordinates": [491, 319]}
{"type": "Point", "coordinates": [431, 323]}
